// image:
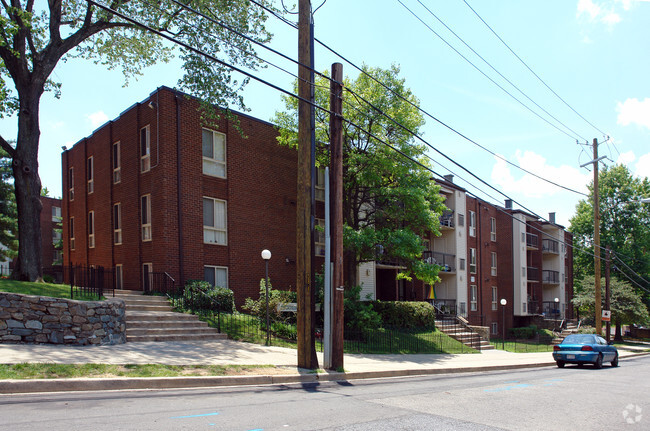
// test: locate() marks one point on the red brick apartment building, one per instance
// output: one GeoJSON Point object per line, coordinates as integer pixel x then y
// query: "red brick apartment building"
{"type": "Point", "coordinates": [156, 192]}
{"type": "Point", "coordinates": [51, 254]}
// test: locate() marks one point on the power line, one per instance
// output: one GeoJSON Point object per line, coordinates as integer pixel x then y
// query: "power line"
{"type": "Point", "coordinates": [531, 70]}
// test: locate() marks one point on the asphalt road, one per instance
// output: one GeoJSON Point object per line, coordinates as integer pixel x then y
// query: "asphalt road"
{"type": "Point", "coordinates": [535, 399]}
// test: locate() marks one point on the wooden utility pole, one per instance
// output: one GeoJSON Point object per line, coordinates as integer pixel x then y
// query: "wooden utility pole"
{"type": "Point", "coordinates": [599, 325]}
{"type": "Point", "coordinates": [607, 293]}
{"type": "Point", "coordinates": [336, 215]}
{"type": "Point", "coordinates": [306, 337]}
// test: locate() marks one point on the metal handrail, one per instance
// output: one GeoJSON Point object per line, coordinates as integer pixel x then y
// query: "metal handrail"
{"type": "Point", "coordinates": [465, 324]}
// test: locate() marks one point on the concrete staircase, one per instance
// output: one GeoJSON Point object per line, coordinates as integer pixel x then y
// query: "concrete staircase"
{"type": "Point", "coordinates": [571, 328]}
{"type": "Point", "coordinates": [150, 318]}
{"type": "Point", "coordinates": [460, 333]}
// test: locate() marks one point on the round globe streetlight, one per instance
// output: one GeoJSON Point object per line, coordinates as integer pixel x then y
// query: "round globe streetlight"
{"type": "Point", "coordinates": [266, 255]}
{"type": "Point", "coordinates": [557, 310]}
{"type": "Point", "coordinates": [503, 323]}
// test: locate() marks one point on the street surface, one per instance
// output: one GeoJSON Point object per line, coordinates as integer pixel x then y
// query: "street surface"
{"type": "Point", "coordinates": [534, 399]}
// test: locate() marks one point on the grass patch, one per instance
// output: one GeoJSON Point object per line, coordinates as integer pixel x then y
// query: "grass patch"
{"type": "Point", "coordinates": [521, 346]}
{"type": "Point", "coordinates": [63, 371]}
{"type": "Point", "coordinates": [40, 289]}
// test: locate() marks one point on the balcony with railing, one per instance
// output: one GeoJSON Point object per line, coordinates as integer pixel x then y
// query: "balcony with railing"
{"type": "Point", "coordinates": [446, 261]}
{"type": "Point", "coordinates": [447, 219]}
{"type": "Point", "coordinates": [532, 241]}
{"type": "Point", "coordinates": [551, 309]}
{"type": "Point", "coordinates": [532, 273]}
{"type": "Point", "coordinates": [550, 246]}
{"type": "Point", "coordinates": [550, 277]}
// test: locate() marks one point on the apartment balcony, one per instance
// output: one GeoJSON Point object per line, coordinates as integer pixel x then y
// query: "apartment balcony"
{"type": "Point", "coordinates": [444, 307]}
{"type": "Point", "coordinates": [550, 277]}
{"type": "Point", "coordinates": [532, 241]}
{"type": "Point", "coordinates": [446, 261]}
{"type": "Point", "coordinates": [550, 246]}
{"type": "Point", "coordinates": [447, 220]}
{"type": "Point", "coordinates": [551, 310]}
{"type": "Point", "coordinates": [532, 274]}
{"type": "Point", "coordinates": [533, 307]}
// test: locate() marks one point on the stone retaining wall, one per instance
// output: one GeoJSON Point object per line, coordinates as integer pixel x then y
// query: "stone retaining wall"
{"type": "Point", "coordinates": [41, 319]}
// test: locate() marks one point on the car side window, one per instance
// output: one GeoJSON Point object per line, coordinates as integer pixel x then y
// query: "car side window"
{"type": "Point", "coordinates": [601, 340]}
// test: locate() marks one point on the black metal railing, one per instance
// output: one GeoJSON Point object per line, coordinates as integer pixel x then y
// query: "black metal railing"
{"type": "Point", "coordinates": [550, 277]}
{"type": "Point", "coordinates": [550, 246]}
{"type": "Point", "coordinates": [444, 307]}
{"type": "Point", "coordinates": [447, 219]}
{"type": "Point", "coordinates": [459, 328]}
{"type": "Point", "coordinates": [89, 281]}
{"type": "Point", "coordinates": [551, 309]}
{"type": "Point", "coordinates": [160, 282]}
{"type": "Point", "coordinates": [532, 273]}
{"type": "Point", "coordinates": [533, 307]}
{"type": "Point", "coordinates": [539, 343]}
{"type": "Point", "coordinates": [446, 261]}
{"type": "Point", "coordinates": [532, 240]}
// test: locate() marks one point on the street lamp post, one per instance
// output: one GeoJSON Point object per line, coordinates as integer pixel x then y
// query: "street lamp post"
{"type": "Point", "coordinates": [557, 309]}
{"type": "Point", "coordinates": [503, 323]}
{"type": "Point", "coordinates": [266, 255]}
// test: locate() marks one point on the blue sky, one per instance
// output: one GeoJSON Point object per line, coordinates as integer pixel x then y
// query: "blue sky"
{"type": "Point", "coordinates": [593, 53]}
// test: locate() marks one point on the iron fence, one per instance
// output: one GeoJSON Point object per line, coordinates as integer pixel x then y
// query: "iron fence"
{"type": "Point", "coordinates": [539, 343]}
{"type": "Point", "coordinates": [89, 281]}
{"type": "Point", "coordinates": [160, 282]}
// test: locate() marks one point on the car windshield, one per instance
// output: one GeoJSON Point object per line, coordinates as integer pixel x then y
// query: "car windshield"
{"type": "Point", "coordinates": [579, 339]}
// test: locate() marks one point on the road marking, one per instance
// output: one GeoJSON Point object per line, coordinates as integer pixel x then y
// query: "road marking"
{"type": "Point", "coordinates": [194, 416]}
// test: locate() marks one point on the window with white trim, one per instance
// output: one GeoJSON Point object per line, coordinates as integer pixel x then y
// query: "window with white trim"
{"type": "Point", "coordinates": [90, 174]}
{"type": "Point", "coordinates": [145, 212]}
{"type": "Point", "coordinates": [56, 236]}
{"type": "Point", "coordinates": [462, 310]}
{"type": "Point", "coordinates": [71, 184]}
{"type": "Point", "coordinates": [319, 187]}
{"type": "Point", "coordinates": [473, 298]}
{"type": "Point", "coordinates": [495, 328]}
{"type": "Point", "coordinates": [461, 264]}
{"type": "Point", "coordinates": [216, 275]}
{"type": "Point", "coordinates": [461, 219]}
{"type": "Point", "coordinates": [117, 163]}
{"type": "Point", "coordinates": [91, 229]}
{"type": "Point", "coordinates": [319, 238]}
{"type": "Point", "coordinates": [493, 229]}
{"type": "Point", "coordinates": [215, 220]}
{"type": "Point", "coordinates": [118, 276]}
{"type": "Point", "coordinates": [472, 261]}
{"type": "Point", "coordinates": [57, 257]}
{"type": "Point", "coordinates": [214, 153]}
{"type": "Point", "coordinates": [145, 149]}
{"type": "Point", "coordinates": [493, 268]}
{"type": "Point", "coordinates": [495, 296]}
{"type": "Point", "coordinates": [71, 233]}
{"type": "Point", "coordinates": [472, 223]}
{"type": "Point", "coordinates": [117, 223]}
{"type": "Point", "coordinates": [56, 214]}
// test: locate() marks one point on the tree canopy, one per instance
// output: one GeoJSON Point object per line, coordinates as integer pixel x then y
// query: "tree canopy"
{"type": "Point", "coordinates": [35, 36]}
{"type": "Point", "coordinates": [389, 202]}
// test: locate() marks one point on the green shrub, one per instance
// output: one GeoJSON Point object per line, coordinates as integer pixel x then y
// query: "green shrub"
{"type": "Point", "coordinates": [524, 333]}
{"type": "Point", "coordinates": [201, 295]}
{"type": "Point", "coordinates": [359, 314]}
{"type": "Point", "coordinates": [257, 307]}
{"type": "Point", "coordinates": [48, 279]}
{"type": "Point", "coordinates": [403, 314]}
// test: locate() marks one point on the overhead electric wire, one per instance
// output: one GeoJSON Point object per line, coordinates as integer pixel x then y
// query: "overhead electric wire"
{"type": "Point", "coordinates": [532, 71]}
{"type": "Point", "coordinates": [483, 73]}
{"type": "Point", "coordinates": [495, 70]}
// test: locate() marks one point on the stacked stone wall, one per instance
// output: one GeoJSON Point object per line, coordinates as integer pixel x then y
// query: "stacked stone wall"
{"type": "Point", "coordinates": [39, 319]}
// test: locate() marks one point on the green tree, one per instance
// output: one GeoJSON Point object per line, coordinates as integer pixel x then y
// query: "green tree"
{"type": "Point", "coordinates": [35, 36]}
{"type": "Point", "coordinates": [389, 202]}
{"type": "Point", "coordinates": [8, 218]}
{"type": "Point", "coordinates": [626, 305]}
{"type": "Point", "coordinates": [624, 222]}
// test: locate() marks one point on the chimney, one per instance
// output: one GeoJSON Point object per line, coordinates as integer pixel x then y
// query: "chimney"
{"type": "Point", "coordinates": [449, 178]}
{"type": "Point", "coordinates": [551, 217]}
{"type": "Point", "coordinates": [508, 204]}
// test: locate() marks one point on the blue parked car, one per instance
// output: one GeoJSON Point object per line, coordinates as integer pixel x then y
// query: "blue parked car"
{"type": "Point", "coordinates": [585, 349]}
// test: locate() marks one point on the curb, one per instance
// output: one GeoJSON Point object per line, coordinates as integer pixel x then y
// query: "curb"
{"type": "Point", "coordinates": [126, 383]}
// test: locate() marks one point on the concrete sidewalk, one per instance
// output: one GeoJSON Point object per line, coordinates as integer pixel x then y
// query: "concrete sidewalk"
{"type": "Point", "coordinates": [227, 352]}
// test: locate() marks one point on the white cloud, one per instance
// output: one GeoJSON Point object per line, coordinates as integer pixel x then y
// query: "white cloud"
{"type": "Point", "coordinates": [97, 118]}
{"type": "Point", "coordinates": [607, 12]}
{"type": "Point", "coordinates": [589, 8]}
{"type": "Point", "coordinates": [643, 166]}
{"type": "Point", "coordinates": [634, 111]}
{"type": "Point", "coordinates": [626, 158]}
{"type": "Point", "coordinates": [611, 18]}
{"type": "Point", "coordinates": [628, 4]}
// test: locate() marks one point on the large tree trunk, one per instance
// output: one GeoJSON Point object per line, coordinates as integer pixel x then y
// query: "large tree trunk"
{"type": "Point", "coordinates": [618, 336]}
{"type": "Point", "coordinates": [27, 185]}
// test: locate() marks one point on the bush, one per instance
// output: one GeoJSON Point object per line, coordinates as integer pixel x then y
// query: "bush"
{"type": "Point", "coordinates": [357, 314]}
{"type": "Point", "coordinates": [257, 307]}
{"type": "Point", "coordinates": [201, 295]}
{"type": "Point", "coordinates": [402, 314]}
{"type": "Point", "coordinates": [528, 332]}
{"type": "Point", "coordinates": [48, 279]}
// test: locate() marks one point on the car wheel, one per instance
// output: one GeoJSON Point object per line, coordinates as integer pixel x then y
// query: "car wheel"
{"type": "Point", "coordinates": [615, 361]}
{"type": "Point", "coordinates": [560, 364]}
{"type": "Point", "coordinates": [599, 362]}
{"type": "Point", "coordinates": [580, 365]}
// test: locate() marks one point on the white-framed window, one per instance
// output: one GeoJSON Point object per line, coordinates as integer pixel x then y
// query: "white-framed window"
{"type": "Point", "coordinates": [493, 229]}
{"type": "Point", "coordinates": [472, 261]}
{"type": "Point", "coordinates": [56, 214]}
{"type": "Point", "coordinates": [495, 328]}
{"type": "Point", "coordinates": [71, 233]}
{"type": "Point", "coordinates": [463, 309]}
{"type": "Point", "coordinates": [495, 301]}
{"type": "Point", "coordinates": [216, 275]}
{"type": "Point", "coordinates": [319, 238]}
{"type": "Point", "coordinates": [57, 257]}
{"type": "Point", "coordinates": [493, 268]}
{"type": "Point", "coordinates": [461, 264]}
{"type": "Point", "coordinates": [117, 223]}
{"type": "Point", "coordinates": [71, 184]}
{"type": "Point", "coordinates": [472, 223]}
{"type": "Point", "coordinates": [214, 153]}
{"type": "Point", "coordinates": [117, 163]}
{"type": "Point", "coordinates": [56, 236]}
{"type": "Point", "coordinates": [319, 189]}
{"type": "Point", "coordinates": [145, 212]}
{"type": "Point", "coordinates": [118, 276]}
{"type": "Point", "coordinates": [473, 298]}
{"type": "Point", "coordinates": [147, 270]}
{"type": "Point", "coordinates": [90, 174]}
{"type": "Point", "coordinates": [461, 219]}
{"type": "Point", "coordinates": [145, 149]}
{"type": "Point", "coordinates": [215, 221]}
{"type": "Point", "coordinates": [91, 229]}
